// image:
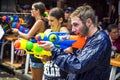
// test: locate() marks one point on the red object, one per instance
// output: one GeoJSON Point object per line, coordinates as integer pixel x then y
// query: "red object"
{"type": "Point", "coordinates": [17, 26]}
{"type": "Point", "coordinates": [17, 44]}
{"type": "Point", "coordinates": [80, 41]}
{"type": "Point", "coordinates": [4, 18]}
{"type": "Point", "coordinates": [39, 42]}
{"type": "Point", "coordinates": [47, 10]}
{"type": "Point", "coordinates": [36, 37]}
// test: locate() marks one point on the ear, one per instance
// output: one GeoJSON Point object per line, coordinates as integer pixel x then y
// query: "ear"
{"type": "Point", "coordinates": [88, 22]}
{"type": "Point", "coordinates": [60, 20]}
{"type": "Point", "coordinates": [38, 11]}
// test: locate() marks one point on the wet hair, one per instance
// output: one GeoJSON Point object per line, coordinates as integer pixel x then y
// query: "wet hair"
{"type": "Point", "coordinates": [39, 6]}
{"type": "Point", "coordinates": [84, 12]}
{"type": "Point", "coordinates": [57, 13]}
{"type": "Point", "coordinates": [111, 27]}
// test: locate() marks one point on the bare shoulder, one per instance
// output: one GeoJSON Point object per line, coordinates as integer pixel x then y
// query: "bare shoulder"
{"type": "Point", "coordinates": [39, 21]}
{"type": "Point", "coordinates": [39, 25]}
{"type": "Point", "coordinates": [47, 31]}
{"type": "Point", "coordinates": [64, 29]}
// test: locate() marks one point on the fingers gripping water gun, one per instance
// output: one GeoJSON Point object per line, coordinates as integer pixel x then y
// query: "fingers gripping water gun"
{"type": "Point", "coordinates": [31, 48]}
{"type": "Point", "coordinates": [62, 39]}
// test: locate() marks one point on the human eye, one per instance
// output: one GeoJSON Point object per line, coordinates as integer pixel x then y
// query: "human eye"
{"type": "Point", "coordinates": [75, 24]}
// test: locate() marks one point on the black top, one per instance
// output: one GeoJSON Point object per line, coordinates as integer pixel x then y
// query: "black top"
{"type": "Point", "coordinates": [29, 20]}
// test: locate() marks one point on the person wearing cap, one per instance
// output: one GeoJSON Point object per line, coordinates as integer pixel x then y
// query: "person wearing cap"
{"type": "Point", "coordinates": [29, 20]}
{"type": "Point", "coordinates": [67, 13]}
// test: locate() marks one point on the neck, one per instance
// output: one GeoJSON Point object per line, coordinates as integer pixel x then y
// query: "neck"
{"type": "Point", "coordinates": [92, 31]}
{"type": "Point", "coordinates": [38, 17]}
{"type": "Point", "coordinates": [56, 29]}
{"type": "Point", "coordinates": [112, 39]}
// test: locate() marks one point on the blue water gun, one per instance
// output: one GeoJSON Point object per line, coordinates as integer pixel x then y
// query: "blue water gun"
{"type": "Point", "coordinates": [59, 39]}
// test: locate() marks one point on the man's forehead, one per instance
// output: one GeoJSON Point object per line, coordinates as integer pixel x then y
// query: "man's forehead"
{"type": "Point", "coordinates": [75, 19]}
{"type": "Point", "coordinates": [114, 30]}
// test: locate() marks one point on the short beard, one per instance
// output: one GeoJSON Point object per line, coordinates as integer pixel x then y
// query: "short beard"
{"type": "Point", "coordinates": [84, 30]}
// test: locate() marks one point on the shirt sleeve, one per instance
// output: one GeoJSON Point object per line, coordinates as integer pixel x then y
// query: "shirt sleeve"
{"type": "Point", "coordinates": [89, 57]}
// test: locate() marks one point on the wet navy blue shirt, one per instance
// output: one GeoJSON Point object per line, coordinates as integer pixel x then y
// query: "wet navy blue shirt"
{"type": "Point", "coordinates": [92, 62]}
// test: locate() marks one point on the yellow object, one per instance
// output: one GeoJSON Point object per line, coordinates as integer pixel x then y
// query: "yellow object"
{"type": "Point", "coordinates": [21, 20]}
{"type": "Point", "coordinates": [36, 50]}
{"type": "Point", "coordinates": [23, 43]}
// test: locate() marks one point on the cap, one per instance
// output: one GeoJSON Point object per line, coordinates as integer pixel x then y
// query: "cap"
{"type": "Point", "coordinates": [69, 9]}
{"type": "Point", "coordinates": [28, 7]}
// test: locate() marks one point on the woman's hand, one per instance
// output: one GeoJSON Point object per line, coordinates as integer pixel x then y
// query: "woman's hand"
{"type": "Point", "coordinates": [20, 52]}
{"type": "Point", "coordinates": [68, 50]}
{"type": "Point", "coordinates": [15, 31]}
{"type": "Point", "coordinates": [46, 45]}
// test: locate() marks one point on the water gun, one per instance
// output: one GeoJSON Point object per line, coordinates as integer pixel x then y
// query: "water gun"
{"type": "Point", "coordinates": [8, 20]}
{"type": "Point", "coordinates": [31, 47]}
{"type": "Point", "coordinates": [61, 39]}
{"type": "Point", "coordinates": [20, 27]}
{"type": "Point", "coordinates": [80, 41]}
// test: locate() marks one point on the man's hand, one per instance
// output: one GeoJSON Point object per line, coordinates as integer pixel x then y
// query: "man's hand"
{"type": "Point", "coordinates": [46, 45]}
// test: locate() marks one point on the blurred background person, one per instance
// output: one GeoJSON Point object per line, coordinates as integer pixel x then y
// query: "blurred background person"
{"type": "Point", "coordinates": [113, 32]}
{"type": "Point", "coordinates": [28, 19]}
{"type": "Point", "coordinates": [67, 13]}
{"type": "Point", "coordinates": [114, 14]}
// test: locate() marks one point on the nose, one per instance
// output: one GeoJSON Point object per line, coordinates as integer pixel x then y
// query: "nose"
{"type": "Point", "coordinates": [49, 23]}
{"type": "Point", "coordinates": [73, 30]}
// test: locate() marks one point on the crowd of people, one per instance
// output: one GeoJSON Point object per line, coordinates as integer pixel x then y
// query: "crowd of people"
{"type": "Point", "coordinates": [91, 62]}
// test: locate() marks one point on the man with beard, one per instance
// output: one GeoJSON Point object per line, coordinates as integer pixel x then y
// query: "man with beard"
{"type": "Point", "coordinates": [92, 61]}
